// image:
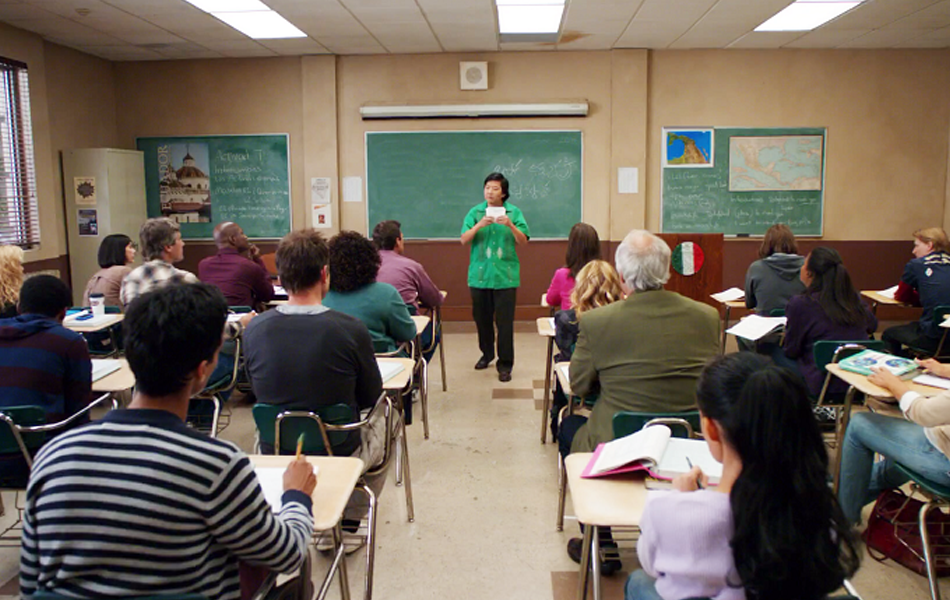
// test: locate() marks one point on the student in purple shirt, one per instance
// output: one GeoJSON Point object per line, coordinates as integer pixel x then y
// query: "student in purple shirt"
{"type": "Point", "coordinates": [772, 528]}
{"type": "Point", "coordinates": [406, 275]}
{"type": "Point", "coordinates": [237, 269]}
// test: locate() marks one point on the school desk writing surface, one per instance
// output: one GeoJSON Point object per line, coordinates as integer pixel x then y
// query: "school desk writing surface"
{"type": "Point", "coordinates": [428, 180]}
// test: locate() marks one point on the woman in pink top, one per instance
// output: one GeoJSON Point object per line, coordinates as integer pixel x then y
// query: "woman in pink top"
{"type": "Point", "coordinates": [583, 246]}
{"type": "Point", "coordinates": [116, 253]}
{"type": "Point", "coordinates": [771, 529]}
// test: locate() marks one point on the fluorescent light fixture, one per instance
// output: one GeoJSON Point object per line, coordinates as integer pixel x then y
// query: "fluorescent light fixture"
{"type": "Point", "coordinates": [529, 16]}
{"type": "Point", "coordinates": [465, 111]}
{"type": "Point", "coordinates": [216, 6]}
{"type": "Point", "coordinates": [261, 25]}
{"type": "Point", "coordinates": [805, 15]}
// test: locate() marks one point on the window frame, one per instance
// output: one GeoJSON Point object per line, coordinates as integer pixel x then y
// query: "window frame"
{"type": "Point", "coordinates": [19, 209]}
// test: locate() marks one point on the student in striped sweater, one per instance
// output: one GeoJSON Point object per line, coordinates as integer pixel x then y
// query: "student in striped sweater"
{"type": "Point", "coordinates": [138, 503]}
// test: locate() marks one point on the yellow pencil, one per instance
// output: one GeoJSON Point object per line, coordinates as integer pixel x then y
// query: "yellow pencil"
{"type": "Point", "coordinates": [299, 446]}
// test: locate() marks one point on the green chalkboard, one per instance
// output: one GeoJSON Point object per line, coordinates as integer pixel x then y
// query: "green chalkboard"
{"type": "Point", "coordinates": [204, 180]}
{"type": "Point", "coordinates": [758, 177]}
{"type": "Point", "coordinates": [428, 181]}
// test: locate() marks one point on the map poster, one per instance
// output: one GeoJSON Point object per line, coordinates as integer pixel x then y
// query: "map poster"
{"type": "Point", "coordinates": [778, 163]}
{"type": "Point", "coordinates": [687, 148]}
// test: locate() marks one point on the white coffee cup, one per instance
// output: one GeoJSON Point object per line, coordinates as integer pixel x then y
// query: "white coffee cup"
{"type": "Point", "coordinates": [98, 304]}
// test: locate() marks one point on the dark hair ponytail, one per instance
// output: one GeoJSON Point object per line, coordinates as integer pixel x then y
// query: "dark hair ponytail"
{"type": "Point", "coordinates": [831, 282]}
{"type": "Point", "coordinates": [791, 539]}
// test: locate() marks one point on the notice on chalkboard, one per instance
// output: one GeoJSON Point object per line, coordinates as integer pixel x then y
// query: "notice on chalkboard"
{"type": "Point", "coordinates": [201, 181]}
{"type": "Point", "coordinates": [759, 177]}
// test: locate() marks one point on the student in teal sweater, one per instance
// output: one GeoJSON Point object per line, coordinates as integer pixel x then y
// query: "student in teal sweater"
{"type": "Point", "coordinates": [354, 263]}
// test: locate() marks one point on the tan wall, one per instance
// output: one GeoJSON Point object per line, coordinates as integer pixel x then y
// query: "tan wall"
{"type": "Point", "coordinates": [29, 48]}
{"type": "Point", "coordinates": [513, 77]}
{"type": "Point", "coordinates": [887, 114]}
{"type": "Point", "coordinates": [214, 97]}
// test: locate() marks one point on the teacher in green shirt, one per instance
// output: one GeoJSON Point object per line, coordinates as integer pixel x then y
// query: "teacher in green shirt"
{"type": "Point", "coordinates": [494, 228]}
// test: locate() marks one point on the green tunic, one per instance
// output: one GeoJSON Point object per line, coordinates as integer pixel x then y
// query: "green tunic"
{"type": "Point", "coordinates": [493, 262]}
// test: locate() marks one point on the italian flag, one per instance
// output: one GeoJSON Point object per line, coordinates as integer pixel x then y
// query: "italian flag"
{"type": "Point", "coordinates": [687, 258]}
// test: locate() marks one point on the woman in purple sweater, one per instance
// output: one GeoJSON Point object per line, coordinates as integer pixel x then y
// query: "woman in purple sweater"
{"type": "Point", "coordinates": [828, 309]}
{"type": "Point", "coordinates": [771, 529]}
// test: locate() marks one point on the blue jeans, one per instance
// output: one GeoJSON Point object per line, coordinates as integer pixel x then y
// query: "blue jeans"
{"type": "Point", "coordinates": [640, 586]}
{"type": "Point", "coordinates": [904, 442]}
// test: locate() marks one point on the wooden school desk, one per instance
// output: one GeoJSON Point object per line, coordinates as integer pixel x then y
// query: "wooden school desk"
{"type": "Point", "coordinates": [737, 304]}
{"type": "Point", "coordinates": [876, 298]}
{"type": "Point", "coordinates": [101, 323]}
{"type": "Point", "coordinates": [116, 381]}
{"type": "Point", "coordinates": [607, 501]}
{"type": "Point", "coordinates": [545, 329]}
{"type": "Point", "coordinates": [336, 481]}
{"type": "Point", "coordinates": [858, 382]}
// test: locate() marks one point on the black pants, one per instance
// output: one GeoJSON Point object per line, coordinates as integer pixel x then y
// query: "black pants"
{"type": "Point", "coordinates": [908, 335]}
{"type": "Point", "coordinates": [491, 309]}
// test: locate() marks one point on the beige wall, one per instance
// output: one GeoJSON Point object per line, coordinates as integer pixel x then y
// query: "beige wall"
{"type": "Point", "coordinates": [887, 114]}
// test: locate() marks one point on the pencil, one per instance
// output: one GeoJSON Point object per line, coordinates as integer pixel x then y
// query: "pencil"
{"type": "Point", "coordinates": [699, 478]}
{"type": "Point", "coordinates": [299, 446]}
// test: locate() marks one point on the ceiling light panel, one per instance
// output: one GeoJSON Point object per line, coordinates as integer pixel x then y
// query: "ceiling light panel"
{"type": "Point", "coordinates": [806, 15]}
{"type": "Point", "coordinates": [530, 19]}
{"type": "Point", "coordinates": [261, 25]}
{"type": "Point", "coordinates": [216, 6]}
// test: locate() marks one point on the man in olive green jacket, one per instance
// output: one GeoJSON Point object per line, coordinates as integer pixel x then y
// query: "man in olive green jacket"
{"type": "Point", "coordinates": [641, 354]}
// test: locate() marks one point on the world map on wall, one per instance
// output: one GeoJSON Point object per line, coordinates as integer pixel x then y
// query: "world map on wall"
{"type": "Point", "coordinates": [775, 163]}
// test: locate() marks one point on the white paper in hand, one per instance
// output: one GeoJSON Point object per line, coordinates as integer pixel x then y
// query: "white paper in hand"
{"type": "Point", "coordinates": [495, 211]}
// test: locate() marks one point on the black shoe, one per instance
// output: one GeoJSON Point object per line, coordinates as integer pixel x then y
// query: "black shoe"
{"type": "Point", "coordinates": [504, 376]}
{"type": "Point", "coordinates": [482, 363]}
{"type": "Point", "coordinates": [575, 547]}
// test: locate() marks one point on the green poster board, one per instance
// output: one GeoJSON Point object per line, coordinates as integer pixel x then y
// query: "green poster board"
{"type": "Point", "coordinates": [758, 177]}
{"type": "Point", "coordinates": [204, 180]}
{"type": "Point", "coordinates": [429, 180]}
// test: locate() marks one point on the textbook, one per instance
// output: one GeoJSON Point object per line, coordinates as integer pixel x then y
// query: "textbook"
{"type": "Point", "coordinates": [388, 370]}
{"type": "Point", "coordinates": [863, 361]}
{"type": "Point", "coordinates": [103, 366]}
{"type": "Point", "coordinates": [655, 451]}
{"type": "Point", "coordinates": [933, 381]}
{"type": "Point", "coordinates": [754, 327]}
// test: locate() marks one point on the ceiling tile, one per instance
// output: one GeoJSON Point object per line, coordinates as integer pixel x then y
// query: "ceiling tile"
{"type": "Point", "coordinates": [765, 39]}
{"type": "Point", "coordinates": [593, 41]}
{"type": "Point", "coordinates": [199, 28]}
{"type": "Point", "coordinates": [874, 14]}
{"type": "Point", "coordinates": [125, 52]}
{"type": "Point", "coordinates": [295, 46]}
{"type": "Point", "coordinates": [936, 16]}
{"type": "Point", "coordinates": [68, 32]}
{"type": "Point", "coordinates": [825, 38]}
{"type": "Point", "coordinates": [526, 47]}
{"type": "Point", "coordinates": [18, 12]}
{"type": "Point", "coordinates": [67, 8]}
{"type": "Point", "coordinates": [880, 38]}
{"type": "Point", "coordinates": [351, 44]}
{"type": "Point", "coordinates": [728, 21]}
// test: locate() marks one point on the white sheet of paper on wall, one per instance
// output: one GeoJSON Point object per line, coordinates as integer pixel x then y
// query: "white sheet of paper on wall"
{"type": "Point", "coordinates": [628, 180]}
{"type": "Point", "coordinates": [352, 189]}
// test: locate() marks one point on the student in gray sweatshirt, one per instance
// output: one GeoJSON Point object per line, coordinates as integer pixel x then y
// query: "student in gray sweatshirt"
{"type": "Point", "coordinates": [775, 277]}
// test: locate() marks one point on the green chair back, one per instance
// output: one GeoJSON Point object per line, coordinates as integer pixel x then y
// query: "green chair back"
{"type": "Point", "coordinates": [824, 350]}
{"type": "Point", "coordinates": [627, 422]}
{"type": "Point", "coordinates": [24, 416]}
{"type": "Point", "coordinates": [777, 312]}
{"type": "Point", "coordinates": [931, 487]}
{"type": "Point", "coordinates": [265, 417]}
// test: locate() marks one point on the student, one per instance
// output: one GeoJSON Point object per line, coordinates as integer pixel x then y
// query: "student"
{"type": "Point", "coordinates": [598, 284]}
{"type": "Point", "coordinates": [11, 278]}
{"type": "Point", "coordinates": [771, 529]}
{"type": "Point", "coordinates": [583, 246]}
{"type": "Point", "coordinates": [773, 279]}
{"type": "Point", "coordinates": [162, 247]}
{"type": "Point", "coordinates": [925, 282]}
{"type": "Point", "coordinates": [920, 443]}
{"type": "Point", "coordinates": [354, 263]}
{"type": "Point", "coordinates": [407, 276]}
{"type": "Point", "coordinates": [494, 272]}
{"type": "Point", "coordinates": [828, 309]}
{"type": "Point", "coordinates": [139, 504]}
{"type": "Point", "coordinates": [116, 253]}
{"type": "Point", "coordinates": [237, 268]}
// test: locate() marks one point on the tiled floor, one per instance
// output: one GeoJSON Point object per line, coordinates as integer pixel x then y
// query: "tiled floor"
{"type": "Point", "coordinates": [485, 492]}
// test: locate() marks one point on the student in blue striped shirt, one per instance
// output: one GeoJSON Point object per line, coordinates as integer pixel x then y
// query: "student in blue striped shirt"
{"type": "Point", "coordinates": [140, 504]}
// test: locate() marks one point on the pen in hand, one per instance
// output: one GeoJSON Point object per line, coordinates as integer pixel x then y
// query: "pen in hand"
{"type": "Point", "coordinates": [699, 478]}
{"type": "Point", "coordinates": [299, 446]}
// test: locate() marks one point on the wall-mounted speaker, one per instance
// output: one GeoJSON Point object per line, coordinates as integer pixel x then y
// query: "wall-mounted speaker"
{"type": "Point", "coordinates": [473, 75]}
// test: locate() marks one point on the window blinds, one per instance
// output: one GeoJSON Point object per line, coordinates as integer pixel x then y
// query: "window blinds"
{"type": "Point", "coordinates": [19, 220]}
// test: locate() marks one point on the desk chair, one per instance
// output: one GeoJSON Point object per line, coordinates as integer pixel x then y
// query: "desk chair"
{"type": "Point", "coordinates": [937, 495]}
{"type": "Point", "coordinates": [830, 352]}
{"type": "Point", "coordinates": [322, 428]}
{"type": "Point", "coordinates": [103, 344]}
{"type": "Point", "coordinates": [437, 339]}
{"type": "Point", "coordinates": [23, 432]}
{"type": "Point", "coordinates": [568, 409]}
{"type": "Point", "coordinates": [408, 349]}
{"type": "Point", "coordinates": [214, 393]}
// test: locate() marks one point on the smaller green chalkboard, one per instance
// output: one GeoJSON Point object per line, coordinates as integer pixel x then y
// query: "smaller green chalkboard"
{"type": "Point", "coordinates": [204, 180]}
{"type": "Point", "coordinates": [757, 177]}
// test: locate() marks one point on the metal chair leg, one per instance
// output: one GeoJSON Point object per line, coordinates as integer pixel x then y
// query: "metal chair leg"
{"type": "Point", "coordinates": [338, 545]}
{"type": "Point", "coordinates": [584, 571]}
{"type": "Point", "coordinates": [595, 559]}
{"type": "Point", "coordinates": [546, 403]}
{"type": "Point", "coordinates": [408, 481]}
{"type": "Point", "coordinates": [424, 397]}
{"type": "Point", "coordinates": [441, 348]}
{"type": "Point", "coordinates": [370, 540]}
{"type": "Point", "coordinates": [561, 491]}
{"type": "Point", "coordinates": [928, 554]}
{"type": "Point", "coordinates": [217, 415]}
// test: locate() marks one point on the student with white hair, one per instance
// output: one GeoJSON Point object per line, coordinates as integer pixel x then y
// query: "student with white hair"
{"type": "Point", "coordinates": [644, 353]}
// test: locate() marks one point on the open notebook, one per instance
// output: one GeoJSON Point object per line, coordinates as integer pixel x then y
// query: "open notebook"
{"type": "Point", "coordinates": [656, 451]}
{"type": "Point", "coordinates": [388, 370]}
{"type": "Point", "coordinates": [103, 366]}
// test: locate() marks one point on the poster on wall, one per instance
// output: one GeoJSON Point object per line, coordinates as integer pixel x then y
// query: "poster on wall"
{"type": "Point", "coordinates": [200, 181]}
{"type": "Point", "coordinates": [88, 222]}
{"type": "Point", "coordinates": [775, 163]}
{"type": "Point", "coordinates": [85, 190]}
{"type": "Point", "coordinates": [688, 148]}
